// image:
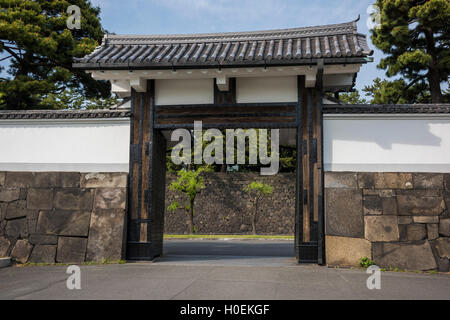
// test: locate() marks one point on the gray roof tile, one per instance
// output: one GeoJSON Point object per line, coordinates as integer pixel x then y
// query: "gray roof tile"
{"type": "Point", "coordinates": [269, 47]}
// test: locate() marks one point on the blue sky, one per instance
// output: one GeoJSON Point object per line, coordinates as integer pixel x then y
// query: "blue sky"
{"type": "Point", "coordinates": [203, 16]}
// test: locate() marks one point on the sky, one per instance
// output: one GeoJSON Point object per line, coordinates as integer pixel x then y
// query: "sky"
{"type": "Point", "coordinates": [204, 16]}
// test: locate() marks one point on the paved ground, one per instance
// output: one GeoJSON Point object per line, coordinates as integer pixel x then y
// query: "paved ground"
{"type": "Point", "coordinates": [202, 274]}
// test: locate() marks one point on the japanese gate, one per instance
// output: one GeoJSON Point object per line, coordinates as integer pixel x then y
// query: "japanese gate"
{"type": "Point", "coordinates": [318, 59]}
{"type": "Point", "coordinates": [148, 156]}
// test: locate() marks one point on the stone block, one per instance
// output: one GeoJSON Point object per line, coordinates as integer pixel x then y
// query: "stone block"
{"type": "Point", "coordinates": [443, 265]}
{"type": "Point", "coordinates": [405, 220]}
{"type": "Point", "coordinates": [110, 198]}
{"type": "Point", "coordinates": [343, 251]}
{"type": "Point", "coordinates": [9, 194]}
{"type": "Point", "coordinates": [366, 180]}
{"type": "Point", "coordinates": [447, 181]}
{"type": "Point", "coordinates": [40, 199]}
{"type": "Point", "coordinates": [381, 228]}
{"type": "Point", "coordinates": [344, 213]}
{"type": "Point", "coordinates": [23, 194]}
{"type": "Point", "coordinates": [426, 219]}
{"type": "Point", "coordinates": [16, 229]}
{"type": "Point", "coordinates": [389, 206]}
{"type": "Point", "coordinates": [16, 209]}
{"type": "Point", "coordinates": [106, 235]}
{"type": "Point", "coordinates": [432, 231]}
{"type": "Point", "coordinates": [43, 239]}
{"type": "Point", "coordinates": [45, 179]}
{"type": "Point", "coordinates": [2, 178]}
{"type": "Point", "coordinates": [71, 250]}
{"type": "Point", "coordinates": [56, 180]}
{"type": "Point", "coordinates": [64, 223]}
{"type": "Point", "coordinates": [346, 180]}
{"type": "Point", "coordinates": [105, 180]}
{"type": "Point", "coordinates": [69, 180]}
{"type": "Point", "coordinates": [74, 199]}
{"type": "Point", "coordinates": [406, 256]}
{"type": "Point", "coordinates": [4, 246]}
{"type": "Point", "coordinates": [43, 254]}
{"type": "Point", "coordinates": [19, 179]}
{"type": "Point", "coordinates": [444, 227]}
{"type": "Point", "coordinates": [443, 247]}
{"type": "Point", "coordinates": [416, 232]}
{"type": "Point", "coordinates": [428, 180]}
{"type": "Point", "coordinates": [3, 207]}
{"type": "Point", "coordinates": [390, 180]}
{"type": "Point", "coordinates": [372, 205]}
{"type": "Point", "coordinates": [403, 231]}
{"type": "Point", "coordinates": [2, 227]}
{"type": "Point", "coordinates": [446, 194]}
{"type": "Point", "coordinates": [420, 205]}
{"type": "Point", "coordinates": [21, 251]}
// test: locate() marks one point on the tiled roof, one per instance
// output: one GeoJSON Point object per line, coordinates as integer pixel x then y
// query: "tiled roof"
{"type": "Point", "coordinates": [387, 109]}
{"type": "Point", "coordinates": [64, 114]}
{"type": "Point", "coordinates": [338, 41]}
{"type": "Point", "coordinates": [327, 109]}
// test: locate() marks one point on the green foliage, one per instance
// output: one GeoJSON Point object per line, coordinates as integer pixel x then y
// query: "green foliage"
{"type": "Point", "coordinates": [415, 36]}
{"type": "Point", "coordinates": [352, 98]}
{"type": "Point", "coordinates": [35, 37]}
{"type": "Point", "coordinates": [174, 206]}
{"type": "Point", "coordinates": [365, 262]}
{"type": "Point", "coordinates": [397, 92]}
{"type": "Point", "coordinates": [190, 183]}
{"type": "Point", "coordinates": [70, 99]}
{"type": "Point", "coordinates": [258, 189]}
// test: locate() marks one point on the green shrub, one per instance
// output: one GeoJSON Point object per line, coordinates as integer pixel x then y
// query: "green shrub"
{"type": "Point", "coordinates": [366, 262]}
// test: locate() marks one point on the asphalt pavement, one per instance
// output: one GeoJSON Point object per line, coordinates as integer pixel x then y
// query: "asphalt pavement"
{"type": "Point", "coordinates": [219, 270]}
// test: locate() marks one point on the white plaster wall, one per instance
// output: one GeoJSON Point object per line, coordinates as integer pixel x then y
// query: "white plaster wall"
{"type": "Point", "coordinates": [186, 91]}
{"type": "Point", "coordinates": [266, 89]}
{"type": "Point", "coordinates": [65, 145]}
{"type": "Point", "coordinates": [414, 143]}
{"type": "Point", "coordinates": [390, 143]}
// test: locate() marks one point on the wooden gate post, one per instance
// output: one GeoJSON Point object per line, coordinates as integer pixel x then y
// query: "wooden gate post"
{"type": "Point", "coordinates": [146, 179]}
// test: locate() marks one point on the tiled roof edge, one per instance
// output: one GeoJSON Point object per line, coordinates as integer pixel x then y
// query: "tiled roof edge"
{"type": "Point", "coordinates": [388, 109]}
{"type": "Point", "coordinates": [64, 114]}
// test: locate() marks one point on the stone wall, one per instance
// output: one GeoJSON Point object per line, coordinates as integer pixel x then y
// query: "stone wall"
{"type": "Point", "coordinates": [399, 220]}
{"type": "Point", "coordinates": [223, 208]}
{"type": "Point", "coordinates": [62, 217]}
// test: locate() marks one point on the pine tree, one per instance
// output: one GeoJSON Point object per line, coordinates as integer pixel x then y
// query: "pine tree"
{"type": "Point", "coordinates": [35, 38]}
{"type": "Point", "coordinates": [415, 36]}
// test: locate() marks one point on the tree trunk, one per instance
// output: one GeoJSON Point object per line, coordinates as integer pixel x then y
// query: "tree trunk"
{"type": "Point", "coordinates": [190, 221]}
{"type": "Point", "coordinates": [435, 85]}
{"type": "Point", "coordinates": [434, 79]}
{"type": "Point", "coordinates": [254, 215]}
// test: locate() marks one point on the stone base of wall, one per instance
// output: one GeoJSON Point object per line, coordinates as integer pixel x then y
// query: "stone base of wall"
{"type": "Point", "coordinates": [62, 217]}
{"type": "Point", "coordinates": [400, 220]}
{"type": "Point", "coordinates": [223, 208]}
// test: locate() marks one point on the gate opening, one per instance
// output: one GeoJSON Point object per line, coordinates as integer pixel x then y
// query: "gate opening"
{"type": "Point", "coordinates": [147, 178]}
